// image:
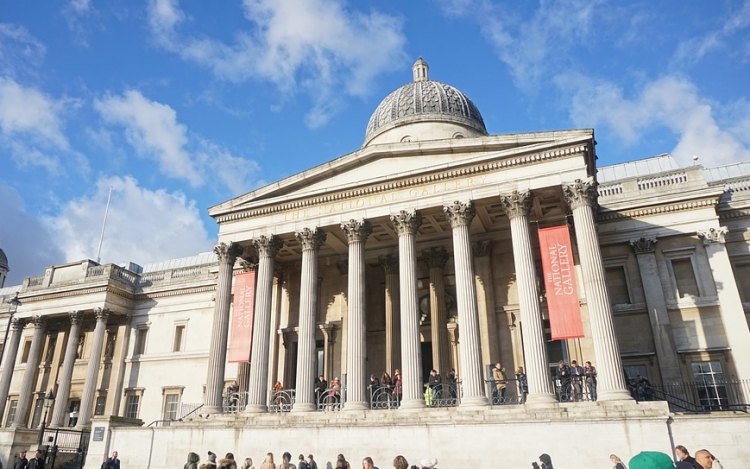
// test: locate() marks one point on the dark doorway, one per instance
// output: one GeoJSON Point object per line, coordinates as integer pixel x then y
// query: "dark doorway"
{"type": "Point", "coordinates": [426, 360]}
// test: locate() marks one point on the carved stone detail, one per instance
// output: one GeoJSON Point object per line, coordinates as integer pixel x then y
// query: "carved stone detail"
{"type": "Point", "coordinates": [580, 192]}
{"type": "Point", "coordinates": [249, 263]}
{"type": "Point", "coordinates": [267, 245]}
{"type": "Point", "coordinates": [435, 258]}
{"type": "Point", "coordinates": [102, 314]}
{"type": "Point", "coordinates": [517, 203]}
{"type": "Point", "coordinates": [389, 263]}
{"type": "Point", "coordinates": [713, 235]}
{"type": "Point", "coordinates": [18, 323]}
{"type": "Point", "coordinates": [311, 239]}
{"type": "Point", "coordinates": [39, 321]}
{"type": "Point", "coordinates": [460, 213]}
{"type": "Point", "coordinates": [228, 252]}
{"type": "Point", "coordinates": [76, 317]}
{"type": "Point", "coordinates": [643, 245]}
{"type": "Point", "coordinates": [357, 230]}
{"type": "Point", "coordinates": [407, 221]}
{"type": "Point", "coordinates": [482, 248]}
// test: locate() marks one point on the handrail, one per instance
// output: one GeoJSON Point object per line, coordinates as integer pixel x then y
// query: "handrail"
{"type": "Point", "coordinates": [157, 422]}
{"type": "Point", "coordinates": [192, 412]}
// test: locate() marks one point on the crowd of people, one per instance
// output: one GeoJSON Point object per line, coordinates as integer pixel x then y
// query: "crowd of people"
{"type": "Point", "coordinates": [302, 462]}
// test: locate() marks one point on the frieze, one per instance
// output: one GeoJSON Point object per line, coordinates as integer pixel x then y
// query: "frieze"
{"type": "Point", "coordinates": [642, 212]}
{"type": "Point", "coordinates": [404, 189]}
{"type": "Point", "coordinates": [164, 294]}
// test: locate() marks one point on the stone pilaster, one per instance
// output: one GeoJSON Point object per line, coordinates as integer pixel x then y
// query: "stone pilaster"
{"type": "Point", "coordinates": [392, 313]}
{"type": "Point", "coordinates": [732, 312]}
{"type": "Point", "coordinates": [63, 389]}
{"type": "Point", "coordinates": [217, 352]}
{"type": "Point", "coordinates": [517, 206]}
{"type": "Point", "coordinates": [666, 352]}
{"type": "Point", "coordinates": [472, 384]}
{"type": "Point", "coordinates": [581, 196]}
{"type": "Point", "coordinates": [406, 224]}
{"type": "Point", "coordinates": [11, 352]}
{"type": "Point", "coordinates": [92, 370]}
{"type": "Point", "coordinates": [488, 336]}
{"type": "Point", "coordinates": [30, 373]}
{"type": "Point", "coordinates": [357, 232]}
{"type": "Point", "coordinates": [310, 240]}
{"type": "Point", "coordinates": [266, 247]}
{"type": "Point", "coordinates": [436, 259]}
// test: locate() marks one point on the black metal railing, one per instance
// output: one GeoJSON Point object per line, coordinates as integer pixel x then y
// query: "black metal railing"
{"type": "Point", "coordinates": [442, 394]}
{"type": "Point", "coordinates": [234, 402]}
{"type": "Point", "coordinates": [65, 440]}
{"type": "Point", "coordinates": [281, 400]}
{"type": "Point", "coordinates": [574, 390]}
{"type": "Point", "coordinates": [696, 396]}
{"type": "Point", "coordinates": [383, 397]}
{"type": "Point", "coordinates": [510, 394]}
{"type": "Point", "coordinates": [331, 399]}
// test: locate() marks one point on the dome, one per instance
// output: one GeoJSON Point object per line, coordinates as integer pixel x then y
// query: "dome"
{"type": "Point", "coordinates": [4, 261]}
{"type": "Point", "coordinates": [425, 100]}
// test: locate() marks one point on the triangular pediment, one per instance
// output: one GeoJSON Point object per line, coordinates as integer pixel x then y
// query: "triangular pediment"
{"type": "Point", "coordinates": [383, 163]}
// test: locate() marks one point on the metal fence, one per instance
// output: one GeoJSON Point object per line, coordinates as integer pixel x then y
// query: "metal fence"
{"type": "Point", "coordinates": [442, 395]}
{"type": "Point", "coordinates": [66, 440]}
{"type": "Point", "coordinates": [511, 394]}
{"type": "Point", "coordinates": [696, 396]}
{"type": "Point", "coordinates": [575, 390]}
{"type": "Point", "coordinates": [234, 402]}
{"type": "Point", "coordinates": [281, 400]}
{"type": "Point", "coordinates": [330, 400]}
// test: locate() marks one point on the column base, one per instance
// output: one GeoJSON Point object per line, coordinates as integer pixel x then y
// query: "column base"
{"type": "Point", "coordinates": [475, 401]}
{"type": "Point", "coordinates": [211, 409]}
{"type": "Point", "coordinates": [255, 409]}
{"type": "Point", "coordinates": [356, 406]}
{"type": "Point", "coordinates": [303, 407]}
{"type": "Point", "coordinates": [412, 404]}
{"type": "Point", "coordinates": [541, 398]}
{"type": "Point", "coordinates": [613, 395]}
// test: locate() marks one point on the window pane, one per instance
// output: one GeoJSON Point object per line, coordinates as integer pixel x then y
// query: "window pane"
{"type": "Point", "coordinates": [617, 286]}
{"type": "Point", "coordinates": [101, 401]}
{"type": "Point", "coordinates": [131, 407]}
{"type": "Point", "coordinates": [140, 343]}
{"type": "Point", "coordinates": [38, 408]}
{"type": "Point", "coordinates": [26, 349]}
{"type": "Point", "coordinates": [179, 331]}
{"type": "Point", "coordinates": [11, 412]}
{"type": "Point", "coordinates": [709, 385]}
{"type": "Point", "coordinates": [171, 404]}
{"type": "Point", "coordinates": [684, 278]}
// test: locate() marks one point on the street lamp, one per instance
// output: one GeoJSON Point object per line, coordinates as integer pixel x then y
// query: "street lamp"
{"type": "Point", "coordinates": [49, 400]}
{"type": "Point", "coordinates": [14, 304]}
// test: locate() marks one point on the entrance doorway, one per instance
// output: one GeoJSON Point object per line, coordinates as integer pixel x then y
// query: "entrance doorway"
{"type": "Point", "coordinates": [426, 361]}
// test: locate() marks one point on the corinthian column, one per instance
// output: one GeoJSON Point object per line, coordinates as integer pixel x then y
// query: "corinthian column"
{"type": "Point", "coordinates": [517, 206]}
{"type": "Point", "coordinates": [266, 247]}
{"type": "Point", "coordinates": [217, 351]}
{"type": "Point", "coordinates": [356, 232]}
{"type": "Point", "coordinates": [581, 196]}
{"type": "Point", "coordinates": [63, 388]}
{"type": "Point", "coordinates": [30, 373]}
{"type": "Point", "coordinates": [92, 370]}
{"type": "Point", "coordinates": [472, 385]}
{"type": "Point", "coordinates": [310, 240]}
{"type": "Point", "coordinates": [392, 315]}
{"type": "Point", "coordinates": [436, 259]}
{"type": "Point", "coordinates": [732, 312]}
{"type": "Point", "coordinates": [406, 225]}
{"type": "Point", "coordinates": [11, 351]}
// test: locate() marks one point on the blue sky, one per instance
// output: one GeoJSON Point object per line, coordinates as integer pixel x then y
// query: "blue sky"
{"type": "Point", "coordinates": [182, 105]}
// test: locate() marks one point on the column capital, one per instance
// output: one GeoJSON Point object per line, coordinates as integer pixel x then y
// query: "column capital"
{"type": "Point", "coordinates": [713, 235]}
{"type": "Point", "coordinates": [18, 323]}
{"type": "Point", "coordinates": [357, 230]}
{"type": "Point", "coordinates": [435, 258]}
{"type": "Point", "coordinates": [643, 245]}
{"type": "Point", "coordinates": [482, 248]}
{"type": "Point", "coordinates": [227, 252]}
{"type": "Point", "coordinates": [407, 222]}
{"type": "Point", "coordinates": [40, 322]}
{"type": "Point", "coordinates": [102, 314]}
{"type": "Point", "coordinates": [517, 203]}
{"type": "Point", "coordinates": [460, 213]}
{"type": "Point", "coordinates": [389, 263]}
{"type": "Point", "coordinates": [249, 263]}
{"type": "Point", "coordinates": [266, 246]}
{"type": "Point", "coordinates": [311, 239]}
{"type": "Point", "coordinates": [581, 192]}
{"type": "Point", "coordinates": [76, 317]}
{"type": "Point", "coordinates": [343, 267]}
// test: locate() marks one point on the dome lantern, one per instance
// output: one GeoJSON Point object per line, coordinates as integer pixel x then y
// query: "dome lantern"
{"type": "Point", "coordinates": [420, 69]}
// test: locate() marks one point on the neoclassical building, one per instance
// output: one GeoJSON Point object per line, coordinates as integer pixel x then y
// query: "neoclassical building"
{"type": "Point", "coordinates": [418, 251]}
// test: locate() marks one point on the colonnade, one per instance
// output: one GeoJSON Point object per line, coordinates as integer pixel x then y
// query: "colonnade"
{"type": "Point", "coordinates": [580, 196]}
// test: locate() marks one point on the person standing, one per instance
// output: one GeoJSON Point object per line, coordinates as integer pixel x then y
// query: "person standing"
{"type": "Point", "coordinates": [36, 462]}
{"type": "Point", "coordinates": [320, 389]}
{"type": "Point", "coordinates": [311, 462]}
{"type": "Point", "coordinates": [501, 382]}
{"type": "Point", "coordinates": [703, 459]}
{"type": "Point", "coordinates": [228, 462]}
{"type": "Point", "coordinates": [211, 463]}
{"type": "Point", "coordinates": [113, 462]}
{"type": "Point", "coordinates": [684, 460]}
{"type": "Point", "coordinates": [590, 372]}
{"type": "Point", "coordinates": [268, 462]}
{"type": "Point", "coordinates": [248, 464]}
{"type": "Point", "coordinates": [563, 380]}
{"type": "Point", "coordinates": [523, 384]}
{"type": "Point", "coordinates": [192, 461]}
{"type": "Point", "coordinates": [617, 462]}
{"type": "Point", "coordinates": [21, 461]}
{"type": "Point", "coordinates": [577, 375]}
{"type": "Point", "coordinates": [301, 463]}
{"type": "Point", "coordinates": [397, 387]}
{"type": "Point", "coordinates": [233, 396]}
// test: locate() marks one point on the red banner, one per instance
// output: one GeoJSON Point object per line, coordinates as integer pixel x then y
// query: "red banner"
{"type": "Point", "coordinates": [560, 282]}
{"type": "Point", "coordinates": [242, 317]}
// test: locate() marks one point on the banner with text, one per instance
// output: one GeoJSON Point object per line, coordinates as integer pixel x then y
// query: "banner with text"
{"type": "Point", "coordinates": [243, 308]}
{"type": "Point", "coordinates": [560, 283]}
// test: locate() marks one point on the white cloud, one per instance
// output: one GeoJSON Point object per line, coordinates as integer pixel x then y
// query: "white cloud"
{"type": "Point", "coordinates": [142, 225]}
{"type": "Point", "coordinates": [27, 242]}
{"type": "Point", "coordinates": [317, 45]}
{"type": "Point", "coordinates": [19, 49]}
{"type": "Point", "coordinates": [25, 110]}
{"type": "Point", "coordinates": [704, 128]}
{"type": "Point", "coordinates": [696, 48]}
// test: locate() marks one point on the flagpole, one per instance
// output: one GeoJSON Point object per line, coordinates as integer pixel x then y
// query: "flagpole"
{"type": "Point", "coordinates": [104, 225]}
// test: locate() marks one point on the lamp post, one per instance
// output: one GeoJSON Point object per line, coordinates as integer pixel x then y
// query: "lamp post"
{"type": "Point", "coordinates": [14, 304]}
{"type": "Point", "coordinates": [49, 400]}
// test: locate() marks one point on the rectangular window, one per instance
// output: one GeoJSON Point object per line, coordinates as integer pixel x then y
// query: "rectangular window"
{"type": "Point", "coordinates": [38, 409]}
{"type": "Point", "coordinates": [131, 406]}
{"type": "Point", "coordinates": [101, 401]}
{"type": "Point", "coordinates": [26, 350]}
{"type": "Point", "coordinates": [709, 383]}
{"type": "Point", "coordinates": [140, 341]}
{"type": "Point", "coordinates": [171, 406]}
{"type": "Point", "coordinates": [617, 285]}
{"type": "Point", "coordinates": [684, 277]}
{"type": "Point", "coordinates": [179, 339]}
{"type": "Point", "coordinates": [11, 412]}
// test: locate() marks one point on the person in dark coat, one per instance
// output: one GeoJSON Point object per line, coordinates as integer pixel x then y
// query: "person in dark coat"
{"type": "Point", "coordinates": [684, 460]}
{"type": "Point", "coordinates": [112, 462]}
{"type": "Point", "coordinates": [211, 463]}
{"type": "Point", "coordinates": [546, 461]}
{"type": "Point", "coordinates": [228, 462]}
{"type": "Point", "coordinates": [36, 462]}
{"type": "Point", "coordinates": [21, 461]}
{"type": "Point", "coordinates": [523, 384]}
{"type": "Point", "coordinates": [192, 461]}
